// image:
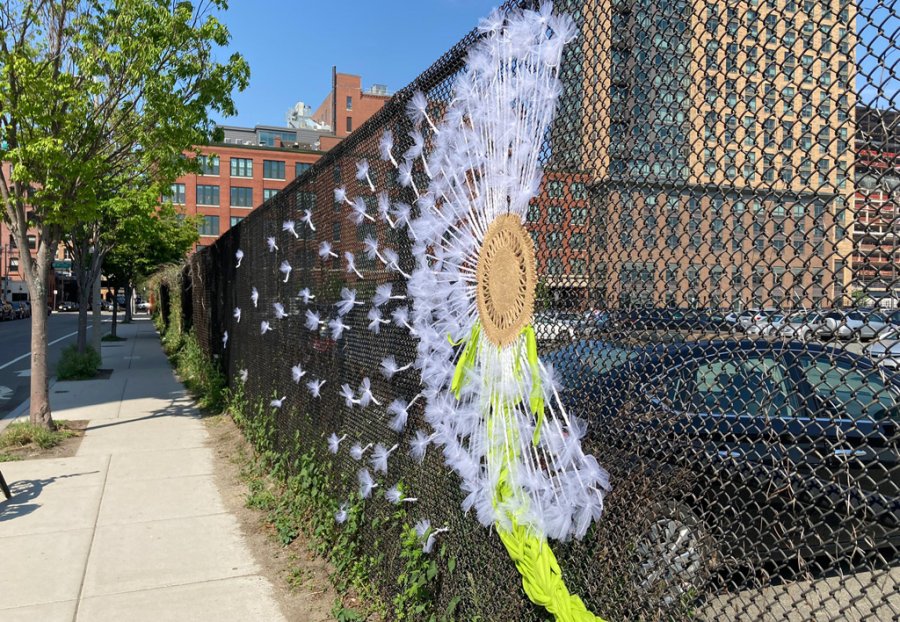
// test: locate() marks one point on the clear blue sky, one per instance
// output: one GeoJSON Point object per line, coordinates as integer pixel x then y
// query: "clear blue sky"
{"type": "Point", "coordinates": [292, 44]}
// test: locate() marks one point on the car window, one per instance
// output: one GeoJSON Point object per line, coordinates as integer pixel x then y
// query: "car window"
{"type": "Point", "coordinates": [857, 392]}
{"type": "Point", "coordinates": [735, 385]}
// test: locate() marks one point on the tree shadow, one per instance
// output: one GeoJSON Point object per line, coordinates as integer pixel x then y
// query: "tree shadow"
{"type": "Point", "coordinates": [25, 491]}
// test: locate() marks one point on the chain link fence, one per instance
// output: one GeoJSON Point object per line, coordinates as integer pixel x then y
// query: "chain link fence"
{"type": "Point", "coordinates": [717, 288]}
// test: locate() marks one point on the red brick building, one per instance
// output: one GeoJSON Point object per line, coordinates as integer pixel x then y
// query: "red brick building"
{"type": "Point", "coordinates": [348, 106]}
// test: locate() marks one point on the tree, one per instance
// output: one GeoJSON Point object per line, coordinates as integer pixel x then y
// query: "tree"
{"type": "Point", "coordinates": [144, 242]}
{"type": "Point", "coordinates": [99, 98]}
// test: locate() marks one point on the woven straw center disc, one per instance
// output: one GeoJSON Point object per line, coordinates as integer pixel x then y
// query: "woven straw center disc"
{"type": "Point", "coordinates": [506, 280]}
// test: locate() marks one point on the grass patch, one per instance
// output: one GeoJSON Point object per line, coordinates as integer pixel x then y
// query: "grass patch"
{"type": "Point", "coordinates": [74, 365]}
{"type": "Point", "coordinates": [113, 338]}
{"type": "Point", "coordinates": [5, 457]}
{"type": "Point", "coordinates": [27, 435]}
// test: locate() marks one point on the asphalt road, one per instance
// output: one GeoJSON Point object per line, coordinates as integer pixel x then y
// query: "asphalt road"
{"type": "Point", "coordinates": [15, 347]}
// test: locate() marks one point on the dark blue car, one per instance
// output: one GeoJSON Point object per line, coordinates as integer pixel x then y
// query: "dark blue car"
{"type": "Point", "coordinates": [746, 451]}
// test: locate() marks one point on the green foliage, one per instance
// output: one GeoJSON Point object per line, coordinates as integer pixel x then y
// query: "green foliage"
{"type": "Point", "coordinates": [197, 372]}
{"type": "Point", "coordinates": [74, 365]}
{"type": "Point", "coordinates": [343, 614]}
{"type": "Point", "coordinates": [18, 435]}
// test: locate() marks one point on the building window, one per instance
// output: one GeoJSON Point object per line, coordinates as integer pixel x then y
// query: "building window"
{"type": "Point", "coordinates": [241, 167]}
{"type": "Point", "coordinates": [271, 138]}
{"type": "Point", "coordinates": [300, 168]}
{"type": "Point", "coordinates": [578, 190]}
{"type": "Point", "coordinates": [349, 124]}
{"type": "Point", "coordinates": [555, 214]}
{"type": "Point", "coordinates": [579, 215]}
{"type": "Point", "coordinates": [268, 193]}
{"type": "Point", "coordinates": [241, 197]}
{"type": "Point", "coordinates": [273, 169]}
{"type": "Point", "coordinates": [555, 189]}
{"type": "Point", "coordinates": [554, 239]}
{"type": "Point", "coordinates": [209, 226]}
{"type": "Point", "coordinates": [577, 241]}
{"type": "Point", "coordinates": [176, 194]}
{"type": "Point", "coordinates": [336, 231]}
{"type": "Point", "coordinates": [209, 165]}
{"type": "Point", "coordinates": [207, 195]}
{"type": "Point", "coordinates": [236, 219]}
{"type": "Point", "coordinates": [32, 241]}
{"type": "Point", "coordinates": [13, 264]}
{"type": "Point", "coordinates": [349, 102]}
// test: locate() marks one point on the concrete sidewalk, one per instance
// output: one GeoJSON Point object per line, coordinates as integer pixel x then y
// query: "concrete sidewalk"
{"type": "Point", "coordinates": [132, 527]}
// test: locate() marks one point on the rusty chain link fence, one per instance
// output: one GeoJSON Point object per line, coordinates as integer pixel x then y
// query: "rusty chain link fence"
{"type": "Point", "coordinates": [718, 290]}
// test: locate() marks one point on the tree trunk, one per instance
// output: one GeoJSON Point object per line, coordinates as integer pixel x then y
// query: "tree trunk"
{"type": "Point", "coordinates": [84, 290]}
{"type": "Point", "coordinates": [128, 295]}
{"type": "Point", "coordinates": [37, 287]}
{"type": "Point", "coordinates": [112, 330]}
{"type": "Point", "coordinates": [97, 318]}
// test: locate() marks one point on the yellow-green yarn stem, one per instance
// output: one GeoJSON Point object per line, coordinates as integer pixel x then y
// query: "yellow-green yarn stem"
{"type": "Point", "coordinates": [541, 575]}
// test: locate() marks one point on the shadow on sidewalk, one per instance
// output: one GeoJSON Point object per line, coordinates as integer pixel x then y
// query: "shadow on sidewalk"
{"type": "Point", "coordinates": [173, 410]}
{"type": "Point", "coordinates": [27, 490]}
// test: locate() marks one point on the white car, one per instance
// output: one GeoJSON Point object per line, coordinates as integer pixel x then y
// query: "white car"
{"type": "Point", "coordinates": [886, 351]}
{"type": "Point", "coordinates": [767, 325]}
{"type": "Point", "coordinates": [858, 324]}
{"type": "Point", "coordinates": [143, 306]}
{"type": "Point", "coordinates": [801, 325]}
{"type": "Point", "coordinates": [751, 317]}
{"type": "Point", "coordinates": [551, 326]}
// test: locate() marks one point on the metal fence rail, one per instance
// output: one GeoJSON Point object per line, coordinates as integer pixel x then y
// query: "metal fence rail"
{"type": "Point", "coordinates": [716, 245]}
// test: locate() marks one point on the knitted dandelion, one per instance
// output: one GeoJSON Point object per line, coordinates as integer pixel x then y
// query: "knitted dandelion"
{"type": "Point", "coordinates": [490, 400]}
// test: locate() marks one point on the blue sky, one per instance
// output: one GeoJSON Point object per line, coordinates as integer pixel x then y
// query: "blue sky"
{"type": "Point", "coordinates": [292, 44]}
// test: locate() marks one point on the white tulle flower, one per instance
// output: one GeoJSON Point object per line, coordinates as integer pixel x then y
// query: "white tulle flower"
{"type": "Point", "coordinates": [239, 255]}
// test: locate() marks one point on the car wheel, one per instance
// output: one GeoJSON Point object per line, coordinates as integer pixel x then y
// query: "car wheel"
{"type": "Point", "coordinates": [674, 555]}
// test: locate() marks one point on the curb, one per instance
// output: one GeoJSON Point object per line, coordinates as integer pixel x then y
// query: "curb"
{"type": "Point", "coordinates": [21, 409]}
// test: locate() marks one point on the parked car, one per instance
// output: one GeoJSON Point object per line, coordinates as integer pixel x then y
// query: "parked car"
{"type": "Point", "coordinates": [68, 305]}
{"type": "Point", "coordinates": [6, 311]}
{"type": "Point", "coordinates": [857, 324]}
{"type": "Point", "coordinates": [735, 437]}
{"type": "Point", "coordinates": [768, 325]}
{"type": "Point", "coordinates": [143, 305]}
{"type": "Point", "coordinates": [801, 325]}
{"type": "Point", "coordinates": [19, 310]}
{"type": "Point", "coordinates": [752, 316]}
{"type": "Point", "coordinates": [886, 350]}
{"type": "Point", "coordinates": [555, 325]}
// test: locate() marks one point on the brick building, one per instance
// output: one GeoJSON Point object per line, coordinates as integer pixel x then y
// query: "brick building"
{"type": "Point", "coordinates": [348, 106]}
{"type": "Point", "coordinates": [716, 155]}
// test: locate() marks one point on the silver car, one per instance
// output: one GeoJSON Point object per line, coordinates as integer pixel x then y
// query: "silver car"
{"type": "Point", "coordinates": [856, 324]}
{"type": "Point", "coordinates": [886, 351]}
{"type": "Point", "coordinates": [801, 326]}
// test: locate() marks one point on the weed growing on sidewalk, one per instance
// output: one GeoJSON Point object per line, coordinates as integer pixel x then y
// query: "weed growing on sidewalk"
{"type": "Point", "coordinates": [202, 378]}
{"type": "Point", "coordinates": [74, 365]}
{"type": "Point", "coordinates": [25, 435]}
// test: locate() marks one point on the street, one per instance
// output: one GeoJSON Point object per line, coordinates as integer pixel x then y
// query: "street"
{"type": "Point", "coordinates": [15, 345]}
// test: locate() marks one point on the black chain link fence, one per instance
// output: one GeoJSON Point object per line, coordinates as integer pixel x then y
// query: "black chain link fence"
{"type": "Point", "coordinates": [717, 252]}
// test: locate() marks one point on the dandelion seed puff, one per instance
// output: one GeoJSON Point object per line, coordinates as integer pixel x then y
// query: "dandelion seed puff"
{"type": "Point", "coordinates": [379, 459]}
{"type": "Point", "coordinates": [371, 246]}
{"type": "Point", "coordinates": [264, 327]}
{"type": "Point", "coordinates": [422, 527]}
{"type": "Point", "coordinates": [358, 451]}
{"type": "Point", "coordinates": [244, 374]}
{"type": "Point", "coordinates": [385, 144]}
{"type": "Point", "coordinates": [307, 218]}
{"type": "Point", "coordinates": [237, 314]}
{"type": "Point", "coordinates": [285, 268]}
{"type": "Point", "coordinates": [382, 294]}
{"type": "Point", "coordinates": [365, 393]}
{"type": "Point", "coordinates": [362, 173]}
{"type": "Point", "coordinates": [224, 339]}
{"type": "Point", "coordinates": [404, 173]}
{"type": "Point", "coordinates": [254, 296]}
{"type": "Point", "coordinates": [366, 483]}
{"type": "Point", "coordinates": [389, 367]}
{"type": "Point", "coordinates": [384, 208]}
{"type": "Point", "coordinates": [398, 408]}
{"type": "Point", "coordinates": [348, 395]}
{"type": "Point", "coordinates": [401, 317]}
{"type": "Point", "coordinates": [375, 320]}
{"type": "Point", "coordinates": [239, 255]}
{"type": "Point", "coordinates": [305, 295]}
{"type": "Point", "coordinates": [341, 515]}
{"type": "Point", "coordinates": [347, 301]}
{"type": "Point", "coordinates": [351, 264]}
{"type": "Point", "coordinates": [278, 309]}
{"type": "Point", "coordinates": [272, 246]}
{"type": "Point", "coordinates": [340, 195]}
{"type": "Point", "coordinates": [334, 442]}
{"type": "Point", "coordinates": [395, 496]}
{"type": "Point", "coordinates": [276, 403]}
{"type": "Point", "coordinates": [415, 150]}
{"type": "Point", "coordinates": [358, 212]}
{"type": "Point", "coordinates": [312, 320]}
{"type": "Point", "coordinates": [337, 328]}
{"type": "Point", "coordinates": [297, 373]}
{"type": "Point", "coordinates": [290, 227]}
{"type": "Point", "coordinates": [325, 250]}
{"type": "Point", "coordinates": [315, 387]}
{"type": "Point", "coordinates": [418, 445]}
